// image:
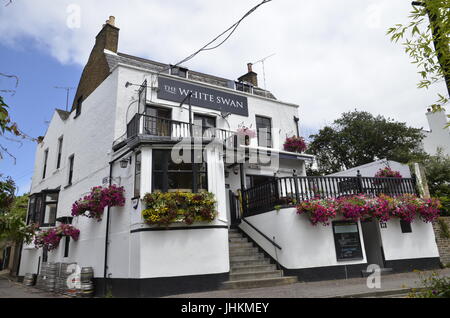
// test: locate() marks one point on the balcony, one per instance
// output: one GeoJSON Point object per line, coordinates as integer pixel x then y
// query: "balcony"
{"type": "Point", "coordinates": [157, 129]}
{"type": "Point", "coordinates": [289, 191]}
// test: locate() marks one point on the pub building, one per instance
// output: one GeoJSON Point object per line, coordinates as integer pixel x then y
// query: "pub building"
{"type": "Point", "coordinates": [128, 115]}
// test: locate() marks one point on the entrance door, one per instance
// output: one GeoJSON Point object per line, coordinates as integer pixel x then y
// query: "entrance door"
{"type": "Point", "coordinates": [372, 242]}
{"type": "Point", "coordinates": [235, 215]}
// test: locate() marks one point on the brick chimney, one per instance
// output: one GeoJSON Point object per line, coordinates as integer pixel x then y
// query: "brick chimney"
{"type": "Point", "coordinates": [96, 69]}
{"type": "Point", "coordinates": [251, 77]}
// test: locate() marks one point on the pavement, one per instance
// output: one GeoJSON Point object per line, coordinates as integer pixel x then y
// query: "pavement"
{"type": "Point", "coordinates": [12, 289]}
{"type": "Point", "coordinates": [392, 285]}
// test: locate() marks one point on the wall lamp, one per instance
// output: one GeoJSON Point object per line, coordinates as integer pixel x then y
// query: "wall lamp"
{"type": "Point", "coordinates": [125, 161]}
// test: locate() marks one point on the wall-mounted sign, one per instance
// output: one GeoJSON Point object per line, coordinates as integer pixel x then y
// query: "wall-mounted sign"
{"type": "Point", "coordinates": [346, 240]}
{"type": "Point", "coordinates": [176, 91]}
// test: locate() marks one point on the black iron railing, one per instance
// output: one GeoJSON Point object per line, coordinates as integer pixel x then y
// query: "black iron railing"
{"type": "Point", "coordinates": [288, 191]}
{"type": "Point", "coordinates": [142, 124]}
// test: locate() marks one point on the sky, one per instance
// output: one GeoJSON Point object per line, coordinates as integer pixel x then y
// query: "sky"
{"type": "Point", "coordinates": [327, 56]}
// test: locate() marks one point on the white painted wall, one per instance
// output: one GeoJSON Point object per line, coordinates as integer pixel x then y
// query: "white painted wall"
{"type": "Point", "coordinates": [438, 136]}
{"type": "Point", "coordinates": [183, 252]}
{"type": "Point", "coordinates": [303, 245]}
{"type": "Point", "coordinates": [420, 243]}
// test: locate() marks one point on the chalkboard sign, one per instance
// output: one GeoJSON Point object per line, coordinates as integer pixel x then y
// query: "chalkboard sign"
{"type": "Point", "coordinates": [346, 240]}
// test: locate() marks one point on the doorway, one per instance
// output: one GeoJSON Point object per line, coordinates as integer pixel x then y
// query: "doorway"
{"type": "Point", "coordinates": [372, 242]}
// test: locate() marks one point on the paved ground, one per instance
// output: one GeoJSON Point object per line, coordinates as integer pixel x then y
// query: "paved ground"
{"type": "Point", "coordinates": [324, 289]}
{"type": "Point", "coordinates": [11, 289]}
{"type": "Point", "coordinates": [335, 288]}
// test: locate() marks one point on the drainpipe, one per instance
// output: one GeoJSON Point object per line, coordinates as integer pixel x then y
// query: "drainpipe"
{"type": "Point", "coordinates": [296, 119]}
{"type": "Point", "coordinates": [105, 270]}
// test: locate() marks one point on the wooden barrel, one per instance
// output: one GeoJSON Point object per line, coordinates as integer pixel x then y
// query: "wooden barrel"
{"type": "Point", "coordinates": [29, 279]}
{"type": "Point", "coordinates": [87, 290]}
{"type": "Point", "coordinates": [87, 274]}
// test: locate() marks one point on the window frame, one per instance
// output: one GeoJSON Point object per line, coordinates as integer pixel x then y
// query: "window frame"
{"type": "Point", "coordinates": [36, 211]}
{"type": "Point", "coordinates": [137, 185]}
{"type": "Point", "coordinates": [195, 172]}
{"type": "Point", "coordinates": [59, 154]}
{"type": "Point", "coordinates": [70, 167]}
{"type": "Point", "coordinates": [204, 128]}
{"type": "Point", "coordinates": [268, 137]}
{"type": "Point", "coordinates": [44, 171]}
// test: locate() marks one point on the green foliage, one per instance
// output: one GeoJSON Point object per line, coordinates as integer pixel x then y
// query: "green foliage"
{"type": "Point", "coordinates": [437, 169]}
{"type": "Point", "coordinates": [427, 43]}
{"type": "Point", "coordinates": [358, 138]}
{"type": "Point", "coordinates": [13, 227]}
{"type": "Point", "coordinates": [7, 189]}
{"type": "Point", "coordinates": [445, 233]}
{"type": "Point", "coordinates": [433, 286]}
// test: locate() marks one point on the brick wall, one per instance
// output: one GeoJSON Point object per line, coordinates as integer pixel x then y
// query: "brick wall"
{"type": "Point", "coordinates": [443, 243]}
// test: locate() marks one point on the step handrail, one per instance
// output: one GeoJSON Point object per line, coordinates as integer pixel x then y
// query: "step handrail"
{"type": "Point", "coordinates": [262, 234]}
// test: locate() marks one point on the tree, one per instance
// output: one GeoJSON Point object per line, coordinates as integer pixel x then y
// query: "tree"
{"type": "Point", "coordinates": [13, 210]}
{"type": "Point", "coordinates": [428, 44]}
{"type": "Point", "coordinates": [437, 169]}
{"type": "Point", "coordinates": [358, 138]}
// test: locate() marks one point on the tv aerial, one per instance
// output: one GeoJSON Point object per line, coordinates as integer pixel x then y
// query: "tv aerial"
{"type": "Point", "coordinates": [264, 71]}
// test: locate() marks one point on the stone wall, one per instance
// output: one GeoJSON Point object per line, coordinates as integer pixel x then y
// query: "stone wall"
{"type": "Point", "coordinates": [443, 243]}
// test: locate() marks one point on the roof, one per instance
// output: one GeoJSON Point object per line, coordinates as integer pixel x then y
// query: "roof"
{"type": "Point", "coordinates": [62, 113]}
{"type": "Point", "coordinates": [114, 59]}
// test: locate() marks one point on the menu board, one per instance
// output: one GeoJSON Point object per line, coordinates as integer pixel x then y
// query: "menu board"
{"type": "Point", "coordinates": [346, 240]}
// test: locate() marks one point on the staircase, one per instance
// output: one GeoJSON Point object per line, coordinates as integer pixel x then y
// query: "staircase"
{"type": "Point", "coordinates": [249, 268]}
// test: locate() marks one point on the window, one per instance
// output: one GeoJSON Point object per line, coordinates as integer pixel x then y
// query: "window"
{"type": "Point", "coordinates": [178, 71]}
{"type": "Point", "coordinates": [240, 86]}
{"type": "Point", "coordinates": [50, 205]}
{"type": "Point", "coordinates": [264, 131]}
{"type": "Point", "coordinates": [405, 226]}
{"type": "Point", "coordinates": [186, 177]}
{"type": "Point", "coordinates": [158, 121]}
{"type": "Point", "coordinates": [78, 106]}
{"type": "Point", "coordinates": [45, 163]}
{"type": "Point", "coordinates": [137, 175]}
{"type": "Point", "coordinates": [42, 208]}
{"type": "Point", "coordinates": [58, 159]}
{"type": "Point", "coordinates": [346, 240]}
{"type": "Point", "coordinates": [71, 160]}
{"type": "Point", "coordinates": [203, 125]}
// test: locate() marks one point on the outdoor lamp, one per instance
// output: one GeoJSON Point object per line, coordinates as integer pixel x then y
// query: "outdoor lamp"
{"type": "Point", "coordinates": [124, 162]}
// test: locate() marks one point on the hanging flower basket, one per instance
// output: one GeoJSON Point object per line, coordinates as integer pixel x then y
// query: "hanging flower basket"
{"type": "Point", "coordinates": [359, 207]}
{"type": "Point", "coordinates": [173, 207]}
{"type": "Point", "coordinates": [295, 144]}
{"type": "Point", "coordinates": [394, 177]}
{"type": "Point", "coordinates": [50, 238]}
{"type": "Point", "coordinates": [245, 133]}
{"type": "Point", "coordinates": [93, 204]}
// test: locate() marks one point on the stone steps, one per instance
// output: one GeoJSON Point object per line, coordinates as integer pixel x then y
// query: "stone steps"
{"type": "Point", "coordinates": [249, 268]}
{"type": "Point", "coordinates": [253, 267]}
{"type": "Point", "coordinates": [257, 283]}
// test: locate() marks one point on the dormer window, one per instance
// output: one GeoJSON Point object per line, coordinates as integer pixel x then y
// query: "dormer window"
{"type": "Point", "coordinates": [178, 71]}
{"type": "Point", "coordinates": [243, 87]}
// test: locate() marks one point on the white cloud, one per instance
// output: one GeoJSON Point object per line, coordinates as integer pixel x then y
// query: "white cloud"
{"type": "Point", "coordinates": [331, 56]}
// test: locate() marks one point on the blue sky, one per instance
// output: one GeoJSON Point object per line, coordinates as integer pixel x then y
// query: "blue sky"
{"type": "Point", "coordinates": [329, 59]}
{"type": "Point", "coordinates": [34, 101]}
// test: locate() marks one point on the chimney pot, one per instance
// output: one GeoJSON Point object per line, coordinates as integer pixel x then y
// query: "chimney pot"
{"type": "Point", "coordinates": [249, 66]}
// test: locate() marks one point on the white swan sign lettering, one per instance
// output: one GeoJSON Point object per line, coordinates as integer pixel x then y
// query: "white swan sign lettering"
{"type": "Point", "coordinates": [176, 91]}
